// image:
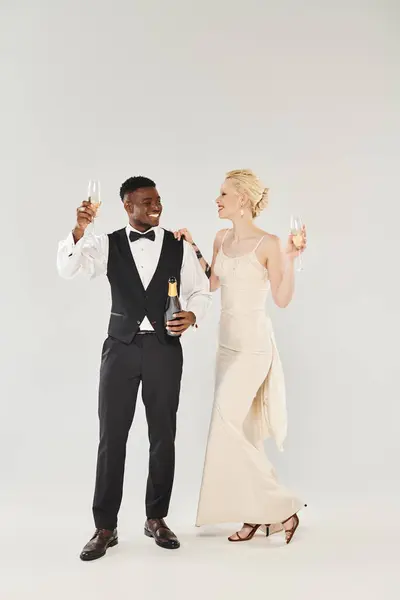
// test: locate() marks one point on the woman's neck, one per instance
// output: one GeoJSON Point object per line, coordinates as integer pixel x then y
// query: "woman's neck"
{"type": "Point", "coordinates": [242, 227]}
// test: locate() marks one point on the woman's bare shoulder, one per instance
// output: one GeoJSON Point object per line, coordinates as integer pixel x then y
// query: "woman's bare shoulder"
{"type": "Point", "coordinates": [219, 236]}
{"type": "Point", "coordinates": [270, 244]}
{"type": "Point", "coordinates": [268, 239]}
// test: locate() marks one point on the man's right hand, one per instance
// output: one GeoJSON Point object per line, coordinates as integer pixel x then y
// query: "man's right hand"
{"type": "Point", "coordinates": [84, 216]}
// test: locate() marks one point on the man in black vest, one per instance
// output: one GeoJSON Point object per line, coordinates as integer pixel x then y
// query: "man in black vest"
{"type": "Point", "coordinates": [138, 261]}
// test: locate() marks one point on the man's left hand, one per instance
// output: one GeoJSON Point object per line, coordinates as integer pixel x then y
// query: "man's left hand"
{"type": "Point", "coordinates": [183, 320]}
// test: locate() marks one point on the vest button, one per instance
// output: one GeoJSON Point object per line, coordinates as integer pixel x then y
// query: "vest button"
{"type": "Point", "coordinates": [138, 322]}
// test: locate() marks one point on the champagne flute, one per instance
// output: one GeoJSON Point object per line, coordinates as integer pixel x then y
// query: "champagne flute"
{"type": "Point", "coordinates": [296, 229]}
{"type": "Point", "coordinates": [94, 195]}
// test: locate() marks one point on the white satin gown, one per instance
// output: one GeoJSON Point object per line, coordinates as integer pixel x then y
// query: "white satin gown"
{"type": "Point", "coordinates": [239, 483]}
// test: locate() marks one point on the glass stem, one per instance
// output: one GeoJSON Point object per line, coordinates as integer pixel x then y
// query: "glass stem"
{"type": "Point", "coordinates": [300, 263]}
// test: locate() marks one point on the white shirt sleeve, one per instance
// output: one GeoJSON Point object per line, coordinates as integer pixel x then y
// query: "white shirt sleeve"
{"type": "Point", "coordinates": [88, 257]}
{"type": "Point", "coordinates": [195, 287]}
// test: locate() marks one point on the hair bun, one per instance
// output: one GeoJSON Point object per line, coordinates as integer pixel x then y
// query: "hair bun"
{"type": "Point", "coordinates": [248, 184]}
{"type": "Point", "coordinates": [262, 203]}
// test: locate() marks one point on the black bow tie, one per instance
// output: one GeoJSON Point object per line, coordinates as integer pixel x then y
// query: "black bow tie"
{"type": "Point", "coordinates": [150, 235]}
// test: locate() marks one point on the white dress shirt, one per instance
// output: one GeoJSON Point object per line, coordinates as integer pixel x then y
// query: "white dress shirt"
{"type": "Point", "coordinates": [89, 257]}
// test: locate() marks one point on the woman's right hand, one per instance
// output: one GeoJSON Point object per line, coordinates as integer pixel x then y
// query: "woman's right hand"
{"type": "Point", "coordinates": [184, 233]}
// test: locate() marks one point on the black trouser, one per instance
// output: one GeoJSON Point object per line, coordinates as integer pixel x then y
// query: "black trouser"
{"type": "Point", "coordinates": [159, 368]}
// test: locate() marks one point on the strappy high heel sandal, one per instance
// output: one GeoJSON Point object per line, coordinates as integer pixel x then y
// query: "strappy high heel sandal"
{"type": "Point", "coordinates": [272, 528]}
{"type": "Point", "coordinates": [249, 536]}
{"type": "Point", "coordinates": [289, 533]}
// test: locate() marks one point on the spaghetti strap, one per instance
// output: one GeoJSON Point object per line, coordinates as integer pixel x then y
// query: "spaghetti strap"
{"type": "Point", "coordinates": [225, 234]}
{"type": "Point", "coordinates": [223, 239]}
{"type": "Point", "coordinates": [259, 242]}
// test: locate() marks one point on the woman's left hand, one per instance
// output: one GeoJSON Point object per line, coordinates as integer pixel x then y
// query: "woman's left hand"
{"type": "Point", "coordinates": [293, 250]}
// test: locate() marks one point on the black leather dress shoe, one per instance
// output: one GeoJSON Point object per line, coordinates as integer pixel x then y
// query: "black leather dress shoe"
{"type": "Point", "coordinates": [161, 533]}
{"type": "Point", "coordinates": [97, 546]}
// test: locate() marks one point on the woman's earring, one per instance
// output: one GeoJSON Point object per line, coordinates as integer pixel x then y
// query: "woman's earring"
{"type": "Point", "coordinates": [241, 212]}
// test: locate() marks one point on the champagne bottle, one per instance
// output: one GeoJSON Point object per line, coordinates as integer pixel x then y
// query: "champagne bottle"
{"type": "Point", "coordinates": [173, 305]}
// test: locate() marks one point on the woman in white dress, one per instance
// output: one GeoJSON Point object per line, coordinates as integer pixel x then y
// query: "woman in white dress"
{"type": "Point", "coordinates": [239, 483]}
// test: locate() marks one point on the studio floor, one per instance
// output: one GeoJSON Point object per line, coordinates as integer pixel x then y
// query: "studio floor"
{"type": "Point", "coordinates": [347, 553]}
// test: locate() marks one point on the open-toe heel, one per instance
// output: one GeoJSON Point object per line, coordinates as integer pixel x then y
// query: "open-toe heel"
{"type": "Point", "coordinates": [271, 529]}
{"type": "Point", "coordinates": [249, 536]}
{"type": "Point", "coordinates": [289, 533]}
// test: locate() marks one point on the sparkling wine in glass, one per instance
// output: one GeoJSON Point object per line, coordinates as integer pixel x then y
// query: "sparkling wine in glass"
{"type": "Point", "coordinates": [296, 229]}
{"type": "Point", "coordinates": [94, 195]}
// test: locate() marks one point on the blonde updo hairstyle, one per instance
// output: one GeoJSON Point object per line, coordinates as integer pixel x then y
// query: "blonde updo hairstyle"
{"type": "Point", "coordinates": [248, 184]}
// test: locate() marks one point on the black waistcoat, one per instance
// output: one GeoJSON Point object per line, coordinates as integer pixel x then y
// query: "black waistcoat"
{"type": "Point", "coordinates": [130, 301]}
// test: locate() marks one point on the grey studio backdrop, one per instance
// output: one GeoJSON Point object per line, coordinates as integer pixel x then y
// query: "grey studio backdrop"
{"type": "Point", "coordinates": [304, 93]}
